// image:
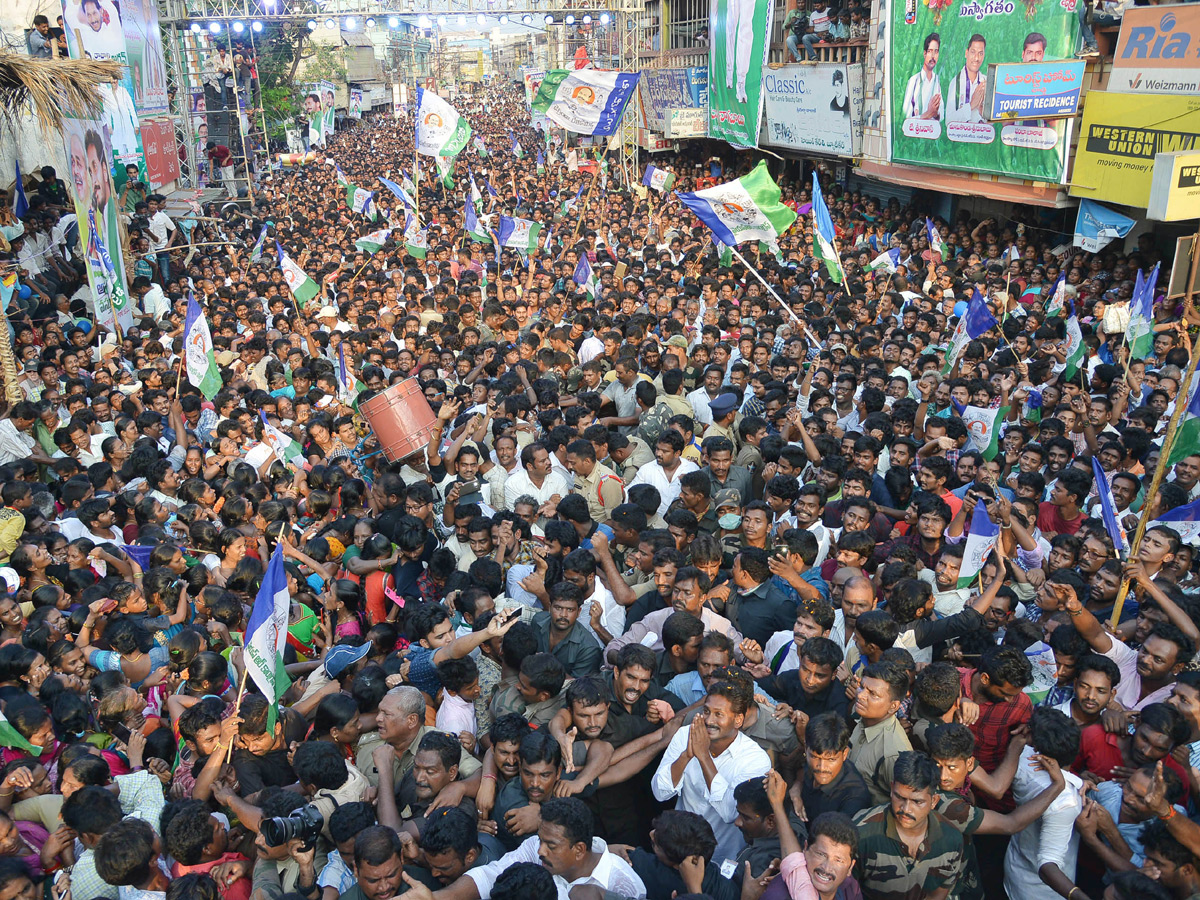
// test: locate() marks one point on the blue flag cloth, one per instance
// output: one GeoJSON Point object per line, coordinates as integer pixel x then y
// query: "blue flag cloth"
{"type": "Point", "coordinates": [1108, 507]}
{"type": "Point", "coordinates": [1096, 226]}
{"type": "Point", "coordinates": [139, 554]}
{"type": "Point", "coordinates": [20, 204]}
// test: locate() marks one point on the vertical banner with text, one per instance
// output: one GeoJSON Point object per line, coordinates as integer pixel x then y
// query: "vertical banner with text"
{"type": "Point", "coordinates": [740, 34]}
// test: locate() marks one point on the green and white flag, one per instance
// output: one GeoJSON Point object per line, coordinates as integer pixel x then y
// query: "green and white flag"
{"type": "Point", "coordinates": [416, 238]}
{"type": "Point", "coordinates": [983, 428]}
{"type": "Point", "coordinates": [476, 196]}
{"type": "Point", "coordinates": [445, 167]}
{"type": "Point", "coordinates": [520, 234]}
{"type": "Point", "coordinates": [724, 254]}
{"type": "Point", "coordinates": [373, 242]}
{"type": "Point", "coordinates": [10, 737]}
{"type": "Point", "coordinates": [481, 148]}
{"type": "Point", "coordinates": [198, 352]}
{"type": "Point", "coordinates": [302, 287]}
{"type": "Point", "coordinates": [585, 101]}
{"type": "Point", "coordinates": [286, 449]}
{"type": "Point", "coordinates": [1076, 349]}
{"type": "Point", "coordinates": [441, 131]}
{"type": "Point", "coordinates": [746, 209]}
{"type": "Point", "coordinates": [981, 540]}
{"type": "Point", "coordinates": [1187, 434]}
{"type": "Point", "coordinates": [658, 179]}
{"type": "Point", "coordinates": [267, 633]}
{"type": "Point", "coordinates": [361, 201]}
{"type": "Point", "coordinates": [474, 230]}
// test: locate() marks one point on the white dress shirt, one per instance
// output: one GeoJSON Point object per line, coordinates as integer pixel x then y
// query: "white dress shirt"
{"type": "Point", "coordinates": [668, 488]}
{"type": "Point", "coordinates": [519, 483]}
{"type": "Point", "coordinates": [1051, 839]}
{"type": "Point", "coordinates": [611, 873]}
{"type": "Point", "coordinates": [742, 760]}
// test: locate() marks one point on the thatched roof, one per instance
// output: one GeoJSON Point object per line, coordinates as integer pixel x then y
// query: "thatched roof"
{"type": "Point", "coordinates": [55, 87]}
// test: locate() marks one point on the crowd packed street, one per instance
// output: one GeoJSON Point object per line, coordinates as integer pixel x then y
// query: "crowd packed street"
{"type": "Point", "coordinates": [774, 573]}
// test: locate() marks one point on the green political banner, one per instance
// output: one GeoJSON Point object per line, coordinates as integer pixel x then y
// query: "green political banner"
{"type": "Point", "coordinates": [740, 35]}
{"type": "Point", "coordinates": [940, 54]}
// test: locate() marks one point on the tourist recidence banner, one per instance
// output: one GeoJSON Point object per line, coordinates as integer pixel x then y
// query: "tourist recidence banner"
{"type": "Point", "coordinates": [940, 53]}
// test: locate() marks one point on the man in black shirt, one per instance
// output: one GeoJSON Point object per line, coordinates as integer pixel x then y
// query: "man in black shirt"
{"type": "Point", "coordinates": [811, 688]}
{"type": "Point", "coordinates": [831, 783]}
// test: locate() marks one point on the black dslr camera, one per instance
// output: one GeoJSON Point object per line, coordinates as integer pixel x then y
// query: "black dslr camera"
{"type": "Point", "coordinates": [305, 823]}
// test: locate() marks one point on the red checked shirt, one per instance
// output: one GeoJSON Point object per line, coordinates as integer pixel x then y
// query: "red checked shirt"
{"type": "Point", "coordinates": [992, 731]}
{"type": "Point", "coordinates": [1100, 752]}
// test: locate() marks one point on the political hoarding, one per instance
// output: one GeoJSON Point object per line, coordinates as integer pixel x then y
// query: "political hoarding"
{"type": "Point", "coordinates": [1043, 90]}
{"type": "Point", "coordinates": [143, 46]}
{"type": "Point", "coordinates": [815, 108]}
{"type": "Point", "coordinates": [686, 123]}
{"type": "Point", "coordinates": [94, 31]}
{"type": "Point", "coordinates": [940, 53]}
{"type": "Point", "coordinates": [533, 81]}
{"type": "Point", "coordinates": [740, 40]}
{"type": "Point", "coordinates": [356, 103]}
{"type": "Point", "coordinates": [1175, 187]}
{"type": "Point", "coordinates": [1119, 139]}
{"type": "Point", "coordinates": [1156, 51]}
{"type": "Point", "coordinates": [161, 150]}
{"type": "Point", "coordinates": [95, 197]}
{"type": "Point", "coordinates": [664, 90]}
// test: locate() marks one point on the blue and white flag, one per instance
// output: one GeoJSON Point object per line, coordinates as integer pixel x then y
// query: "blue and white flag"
{"type": "Point", "coordinates": [746, 209]}
{"type": "Point", "coordinates": [935, 241]}
{"type": "Point", "coordinates": [887, 261]}
{"type": "Point", "coordinates": [584, 276]}
{"type": "Point", "coordinates": [1096, 226]}
{"type": "Point", "coordinates": [1184, 519]}
{"type": "Point", "coordinates": [659, 179]}
{"type": "Point", "coordinates": [1108, 507]}
{"type": "Point", "coordinates": [585, 101]}
{"type": "Point", "coordinates": [977, 320]}
{"type": "Point", "coordinates": [824, 237]}
{"type": "Point", "coordinates": [520, 234]}
{"type": "Point", "coordinates": [980, 543]}
{"type": "Point", "coordinates": [256, 254]}
{"type": "Point", "coordinates": [198, 353]}
{"type": "Point", "coordinates": [266, 635]}
{"type": "Point", "coordinates": [471, 223]}
{"type": "Point", "coordinates": [20, 203]}
{"type": "Point", "coordinates": [401, 193]}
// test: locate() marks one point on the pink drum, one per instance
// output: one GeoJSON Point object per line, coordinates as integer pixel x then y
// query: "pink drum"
{"type": "Point", "coordinates": [401, 418]}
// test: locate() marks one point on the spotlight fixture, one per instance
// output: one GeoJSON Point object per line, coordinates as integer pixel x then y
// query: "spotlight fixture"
{"type": "Point", "coordinates": [605, 18]}
{"type": "Point", "coordinates": [196, 29]}
{"type": "Point", "coordinates": [462, 21]}
{"type": "Point", "coordinates": [214, 27]}
{"type": "Point", "coordinates": [504, 20]}
{"type": "Point", "coordinates": [330, 24]}
{"type": "Point", "coordinates": [570, 20]}
{"type": "Point", "coordinates": [370, 23]}
{"type": "Point", "coordinates": [587, 20]}
{"type": "Point", "coordinates": [350, 23]}
{"type": "Point", "coordinates": [393, 22]}
{"type": "Point", "coordinates": [441, 20]}
{"type": "Point", "coordinates": [480, 20]}
{"type": "Point", "coordinates": [526, 19]}
{"type": "Point", "coordinates": [549, 19]}
{"type": "Point", "coordinates": [424, 22]}
{"type": "Point", "coordinates": [239, 27]}
{"type": "Point", "coordinates": [256, 26]}
{"type": "Point", "coordinates": [312, 24]}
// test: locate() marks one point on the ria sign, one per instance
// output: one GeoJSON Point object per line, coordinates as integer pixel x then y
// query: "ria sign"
{"type": "Point", "coordinates": [1157, 51]}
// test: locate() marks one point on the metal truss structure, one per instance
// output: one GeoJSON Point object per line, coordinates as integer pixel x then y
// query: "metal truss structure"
{"type": "Point", "coordinates": [183, 49]}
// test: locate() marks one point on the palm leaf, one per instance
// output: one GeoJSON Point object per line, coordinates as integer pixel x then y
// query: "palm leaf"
{"type": "Point", "coordinates": [53, 87]}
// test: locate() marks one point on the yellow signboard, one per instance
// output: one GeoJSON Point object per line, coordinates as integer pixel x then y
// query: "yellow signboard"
{"type": "Point", "coordinates": [1175, 190]}
{"type": "Point", "coordinates": [1121, 135]}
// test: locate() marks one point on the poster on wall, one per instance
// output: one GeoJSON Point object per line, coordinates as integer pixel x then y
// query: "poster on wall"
{"type": "Point", "coordinates": [88, 148]}
{"type": "Point", "coordinates": [143, 47]}
{"type": "Point", "coordinates": [161, 150]}
{"type": "Point", "coordinates": [817, 108]}
{"type": "Point", "coordinates": [328, 108]}
{"type": "Point", "coordinates": [94, 31]}
{"type": "Point", "coordinates": [663, 90]}
{"type": "Point", "coordinates": [356, 100]}
{"type": "Point", "coordinates": [1120, 136]}
{"type": "Point", "coordinates": [940, 53]}
{"type": "Point", "coordinates": [740, 40]}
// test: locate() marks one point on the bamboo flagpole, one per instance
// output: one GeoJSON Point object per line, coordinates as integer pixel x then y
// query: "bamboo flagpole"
{"type": "Point", "coordinates": [237, 707]}
{"type": "Point", "coordinates": [1160, 471]}
{"type": "Point", "coordinates": [812, 337]}
{"type": "Point", "coordinates": [587, 202]}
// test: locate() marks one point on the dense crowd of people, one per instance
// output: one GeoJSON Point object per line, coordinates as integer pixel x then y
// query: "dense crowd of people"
{"type": "Point", "coordinates": [668, 605]}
